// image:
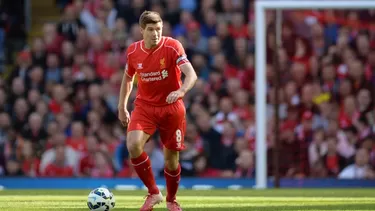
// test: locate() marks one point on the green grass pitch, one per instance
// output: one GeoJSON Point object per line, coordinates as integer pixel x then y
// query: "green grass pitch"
{"type": "Point", "coordinates": [205, 200]}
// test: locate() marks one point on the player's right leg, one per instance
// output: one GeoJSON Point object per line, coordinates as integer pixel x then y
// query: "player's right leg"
{"type": "Point", "coordinates": [140, 128]}
{"type": "Point", "coordinates": [135, 142]}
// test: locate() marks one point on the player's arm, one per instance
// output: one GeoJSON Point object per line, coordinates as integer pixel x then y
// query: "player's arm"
{"type": "Point", "coordinates": [186, 68]}
{"type": "Point", "coordinates": [127, 81]}
{"type": "Point", "coordinates": [190, 77]}
{"type": "Point", "coordinates": [125, 90]}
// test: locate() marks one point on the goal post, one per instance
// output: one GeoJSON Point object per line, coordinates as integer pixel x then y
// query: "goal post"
{"type": "Point", "coordinates": [260, 57]}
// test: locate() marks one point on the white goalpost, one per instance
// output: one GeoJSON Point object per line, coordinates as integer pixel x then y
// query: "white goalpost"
{"type": "Point", "coordinates": [260, 57]}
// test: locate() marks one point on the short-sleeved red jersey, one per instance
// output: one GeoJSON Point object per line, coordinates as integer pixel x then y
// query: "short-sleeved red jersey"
{"type": "Point", "coordinates": [157, 70]}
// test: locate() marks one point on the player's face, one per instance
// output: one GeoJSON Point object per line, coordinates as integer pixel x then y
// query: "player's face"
{"type": "Point", "coordinates": [152, 34]}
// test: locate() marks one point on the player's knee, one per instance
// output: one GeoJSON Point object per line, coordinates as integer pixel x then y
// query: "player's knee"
{"type": "Point", "coordinates": [134, 146]}
{"type": "Point", "coordinates": [171, 162]}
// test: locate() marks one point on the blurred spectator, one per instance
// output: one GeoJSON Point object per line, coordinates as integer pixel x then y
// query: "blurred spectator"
{"type": "Point", "coordinates": [360, 169]}
{"type": "Point", "coordinates": [194, 144]}
{"type": "Point", "coordinates": [87, 161]}
{"type": "Point", "coordinates": [52, 39]}
{"type": "Point", "coordinates": [202, 169]}
{"type": "Point", "coordinates": [14, 168]}
{"type": "Point", "coordinates": [23, 66]}
{"type": "Point", "coordinates": [245, 165]}
{"type": "Point", "coordinates": [30, 162]}
{"type": "Point", "coordinates": [102, 166]}
{"type": "Point", "coordinates": [332, 160]}
{"type": "Point", "coordinates": [59, 167]}
{"type": "Point", "coordinates": [318, 148]}
{"type": "Point", "coordinates": [70, 24]}
{"type": "Point", "coordinates": [35, 133]}
{"type": "Point", "coordinates": [66, 156]}
{"type": "Point", "coordinates": [226, 113]}
{"type": "Point", "coordinates": [85, 17]}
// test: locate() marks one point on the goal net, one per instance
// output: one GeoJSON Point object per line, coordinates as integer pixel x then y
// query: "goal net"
{"type": "Point", "coordinates": [261, 6]}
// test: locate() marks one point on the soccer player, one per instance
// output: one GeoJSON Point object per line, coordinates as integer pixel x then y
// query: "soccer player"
{"type": "Point", "coordinates": [157, 62]}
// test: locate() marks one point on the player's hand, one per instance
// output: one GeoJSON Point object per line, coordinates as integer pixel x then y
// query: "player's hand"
{"type": "Point", "coordinates": [124, 116]}
{"type": "Point", "coordinates": [174, 96]}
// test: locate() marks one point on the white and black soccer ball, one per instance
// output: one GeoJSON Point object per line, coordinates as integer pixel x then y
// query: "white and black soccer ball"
{"type": "Point", "coordinates": [112, 201]}
{"type": "Point", "coordinates": [101, 199]}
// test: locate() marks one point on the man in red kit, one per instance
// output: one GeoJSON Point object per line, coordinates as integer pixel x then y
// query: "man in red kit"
{"type": "Point", "coordinates": [157, 62]}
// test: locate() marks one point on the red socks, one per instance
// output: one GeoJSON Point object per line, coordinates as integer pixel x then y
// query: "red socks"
{"type": "Point", "coordinates": [142, 166]}
{"type": "Point", "coordinates": [173, 180]}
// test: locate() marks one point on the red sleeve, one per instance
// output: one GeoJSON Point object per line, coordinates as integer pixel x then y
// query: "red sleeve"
{"type": "Point", "coordinates": [49, 171]}
{"type": "Point", "coordinates": [67, 171]}
{"type": "Point", "coordinates": [179, 55]}
{"type": "Point", "coordinates": [129, 69]}
{"type": "Point", "coordinates": [83, 165]}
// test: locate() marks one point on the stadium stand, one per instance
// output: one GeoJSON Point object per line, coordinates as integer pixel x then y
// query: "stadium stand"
{"type": "Point", "coordinates": [58, 106]}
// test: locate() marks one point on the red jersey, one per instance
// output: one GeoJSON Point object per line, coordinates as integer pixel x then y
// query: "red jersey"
{"type": "Point", "coordinates": [86, 164]}
{"type": "Point", "coordinates": [52, 170]}
{"type": "Point", "coordinates": [78, 144]}
{"type": "Point", "coordinates": [157, 69]}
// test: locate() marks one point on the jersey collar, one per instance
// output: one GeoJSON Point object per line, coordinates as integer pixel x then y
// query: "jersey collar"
{"type": "Point", "coordinates": [152, 50]}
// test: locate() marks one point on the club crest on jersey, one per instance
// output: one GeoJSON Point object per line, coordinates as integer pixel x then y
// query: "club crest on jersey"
{"type": "Point", "coordinates": [139, 66]}
{"type": "Point", "coordinates": [162, 63]}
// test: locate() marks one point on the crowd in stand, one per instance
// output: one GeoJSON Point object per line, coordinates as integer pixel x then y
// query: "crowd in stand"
{"type": "Point", "coordinates": [58, 107]}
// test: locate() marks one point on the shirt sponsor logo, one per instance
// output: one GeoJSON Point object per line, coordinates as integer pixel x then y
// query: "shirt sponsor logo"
{"type": "Point", "coordinates": [154, 76]}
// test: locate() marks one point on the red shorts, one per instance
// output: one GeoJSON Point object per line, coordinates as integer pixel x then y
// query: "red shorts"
{"type": "Point", "coordinates": [170, 120]}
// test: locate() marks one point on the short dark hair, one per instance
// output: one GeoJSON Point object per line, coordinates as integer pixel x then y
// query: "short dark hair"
{"type": "Point", "coordinates": [149, 17]}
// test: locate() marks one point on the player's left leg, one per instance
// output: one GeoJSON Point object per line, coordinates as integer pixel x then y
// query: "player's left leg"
{"type": "Point", "coordinates": [172, 131]}
{"type": "Point", "coordinates": [172, 173]}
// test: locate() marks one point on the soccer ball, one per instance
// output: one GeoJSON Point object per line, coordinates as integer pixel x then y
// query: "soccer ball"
{"type": "Point", "coordinates": [101, 199]}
